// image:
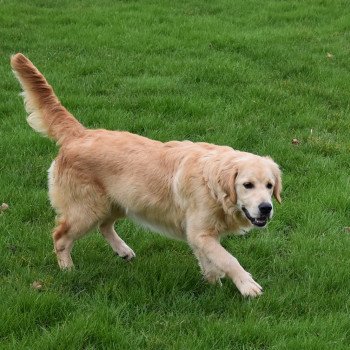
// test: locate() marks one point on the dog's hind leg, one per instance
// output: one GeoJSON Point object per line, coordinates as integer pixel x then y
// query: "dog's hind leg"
{"type": "Point", "coordinates": [69, 229]}
{"type": "Point", "coordinates": [80, 207]}
{"type": "Point", "coordinates": [63, 245]}
{"type": "Point", "coordinates": [118, 245]}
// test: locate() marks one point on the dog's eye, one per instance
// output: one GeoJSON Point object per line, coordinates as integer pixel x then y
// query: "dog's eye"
{"type": "Point", "coordinates": [269, 186]}
{"type": "Point", "coordinates": [248, 185]}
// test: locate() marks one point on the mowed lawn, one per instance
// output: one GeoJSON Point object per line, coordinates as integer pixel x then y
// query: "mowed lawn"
{"type": "Point", "coordinates": [250, 74]}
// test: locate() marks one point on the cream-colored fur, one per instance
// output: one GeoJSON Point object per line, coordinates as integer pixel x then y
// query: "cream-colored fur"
{"type": "Point", "coordinates": [196, 192]}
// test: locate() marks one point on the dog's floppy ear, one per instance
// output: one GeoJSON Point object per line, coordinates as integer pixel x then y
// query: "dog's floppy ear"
{"type": "Point", "coordinates": [227, 180]}
{"type": "Point", "coordinates": [278, 184]}
{"type": "Point", "coordinates": [278, 179]}
{"type": "Point", "coordinates": [220, 178]}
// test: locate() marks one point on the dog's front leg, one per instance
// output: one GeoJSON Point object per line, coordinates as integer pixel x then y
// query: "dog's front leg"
{"type": "Point", "coordinates": [210, 271]}
{"type": "Point", "coordinates": [207, 245]}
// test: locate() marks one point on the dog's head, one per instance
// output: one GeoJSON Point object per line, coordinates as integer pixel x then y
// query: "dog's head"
{"type": "Point", "coordinates": [247, 183]}
{"type": "Point", "coordinates": [257, 180]}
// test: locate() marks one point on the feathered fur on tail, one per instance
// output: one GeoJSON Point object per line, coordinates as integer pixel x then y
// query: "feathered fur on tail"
{"type": "Point", "coordinates": [46, 113]}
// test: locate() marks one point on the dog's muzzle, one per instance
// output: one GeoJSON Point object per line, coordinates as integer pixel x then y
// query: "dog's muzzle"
{"type": "Point", "coordinates": [261, 221]}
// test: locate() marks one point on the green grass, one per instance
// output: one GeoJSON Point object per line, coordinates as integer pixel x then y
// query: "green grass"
{"type": "Point", "coordinates": [249, 74]}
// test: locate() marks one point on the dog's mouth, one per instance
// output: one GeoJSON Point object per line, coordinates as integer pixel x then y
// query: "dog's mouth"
{"type": "Point", "coordinates": [259, 222]}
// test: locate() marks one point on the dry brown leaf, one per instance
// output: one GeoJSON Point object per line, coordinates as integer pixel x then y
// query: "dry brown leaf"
{"type": "Point", "coordinates": [4, 207]}
{"type": "Point", "coordinates": [37, 285]}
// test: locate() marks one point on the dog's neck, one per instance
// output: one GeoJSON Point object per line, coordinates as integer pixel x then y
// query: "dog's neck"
{"type": "Point", "coordinates": [236, 222]}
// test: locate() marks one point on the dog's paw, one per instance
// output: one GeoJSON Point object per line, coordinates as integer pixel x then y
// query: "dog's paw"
{"type": "Point", "coordinates": [125, 252]}
{"type": "Point", "coordinates": [247, 286]}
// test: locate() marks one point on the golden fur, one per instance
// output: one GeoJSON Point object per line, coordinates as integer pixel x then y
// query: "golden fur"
{"type": "Point", "coordinates": [196, 192]}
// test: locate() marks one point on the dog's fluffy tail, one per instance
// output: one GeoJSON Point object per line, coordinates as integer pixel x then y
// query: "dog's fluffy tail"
{"type": "Point", "coordinates": [46, 113]}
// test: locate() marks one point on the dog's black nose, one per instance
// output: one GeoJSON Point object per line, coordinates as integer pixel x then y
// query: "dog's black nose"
{"type": "Point", "coordinates": [265, 208]}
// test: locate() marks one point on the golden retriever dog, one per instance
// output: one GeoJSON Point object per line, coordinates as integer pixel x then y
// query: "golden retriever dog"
{"type": "Point", "coordinates": [196, 192]}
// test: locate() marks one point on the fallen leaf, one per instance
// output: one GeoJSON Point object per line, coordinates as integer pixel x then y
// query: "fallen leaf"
{"type": "Point", "coordinates": [4, 207]}
{"type": "Point", "coordinates": [295, 142]}
{"type": "Point", "coordinates": [37, 285]}
{"type": "Point", "coordinates": [329, 56]}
